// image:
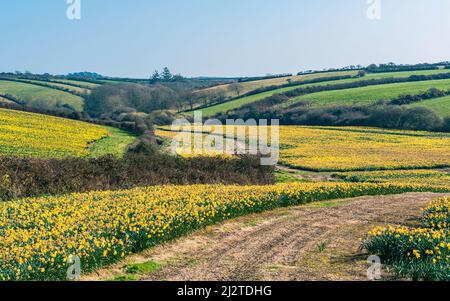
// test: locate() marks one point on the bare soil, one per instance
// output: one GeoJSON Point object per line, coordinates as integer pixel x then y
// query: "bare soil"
{"type": "Point", "coordinates": [320, 241]}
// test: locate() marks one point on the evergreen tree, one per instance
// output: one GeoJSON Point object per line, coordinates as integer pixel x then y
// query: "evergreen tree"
{"type": "Point", "coordinates": [166, 75]}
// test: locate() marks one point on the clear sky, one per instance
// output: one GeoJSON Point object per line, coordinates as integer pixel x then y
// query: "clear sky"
{"type": "Point", "coordinates": [218, 37]}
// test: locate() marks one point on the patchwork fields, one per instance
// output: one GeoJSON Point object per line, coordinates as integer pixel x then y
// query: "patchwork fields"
{"type": "Point", "coordinates": [371, 94]}
{"type": "Point", "coordinates": [362, 95]}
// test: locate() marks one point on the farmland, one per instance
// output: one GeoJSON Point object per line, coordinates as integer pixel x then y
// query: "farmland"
{"type": "Point", "coordinates": [424, 176]}
{"type": "Point", "coordinates": [371, 94]}
{"type": "Point", "coordinates": [362, 94]}
{"type": "Point", "coordinates": [253, 85]}
{"type": "Point", "coordinates": [358, 148]}
{"type": "Point", "coordinates": [439, 105]}
{"type": "Point", "coordinates": [34, 135]}
{"type": "Point", "coordinates": [343, 149]}
{"type": "Point", "coordinates": [40, 97]}
{"type": "Point", "coordinates": [103, 227]}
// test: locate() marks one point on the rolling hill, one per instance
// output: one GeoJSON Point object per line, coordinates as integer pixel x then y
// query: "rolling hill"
{"type": "Point", "coordinates": [40, 97]}
{"type": "Point", "coordinates": [371, 94]}
{"type": "Point", "coordinates": [34, 135]}
{"type": "Point", "coordinates": [257, 84]}
{"type": "Point", "coordinates": [234, 104]}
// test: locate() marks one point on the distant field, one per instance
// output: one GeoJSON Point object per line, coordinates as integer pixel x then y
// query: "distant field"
{"type": "Point", "coordinates": [59, 85]}
{"type": "Point", "coordinates": [428, 177]}
{"type": "Point", "coordinates": [440, 105]}
{"type": "Point", "coordinates": [4, 100]}
{"type": "Point", "coordinates": [211, 111]}
{"type": "Point", "coordinates": [77, 83]}
{"type": "Point", "coordinates": [371, 93]}
{"type": "Point", "coordinates": [357, 148]}
{"type": "Point", "coordinates": [35, 135]}
{"type": "Point", "coordinates": [253, 85]}
{"type": "Point", "coordinates": [40, 97]}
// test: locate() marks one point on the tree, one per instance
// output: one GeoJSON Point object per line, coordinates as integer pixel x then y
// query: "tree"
{"type": "Point", "coordinates": [155, 77]}
{"type": "Point", "coordinates": [189, 97]}
{"type": "Point", "coordinates": [236, 88]}
{"type": "Point", "coordinates": [166, 75]}
{"type": "Point", "coordinates": [361, 73]}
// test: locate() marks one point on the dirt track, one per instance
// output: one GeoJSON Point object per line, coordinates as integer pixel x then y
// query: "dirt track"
{"type": "Point", "coordinates": [317, 242]}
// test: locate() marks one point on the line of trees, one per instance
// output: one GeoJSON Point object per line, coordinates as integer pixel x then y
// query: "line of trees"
{"type": "Point", "coordinates": [406, 99]}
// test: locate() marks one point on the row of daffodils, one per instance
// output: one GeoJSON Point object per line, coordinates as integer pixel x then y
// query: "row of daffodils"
{"type": "Point", "coordinates": [37, 236]}
{"type": "Point", "coordinates": [421, 253]}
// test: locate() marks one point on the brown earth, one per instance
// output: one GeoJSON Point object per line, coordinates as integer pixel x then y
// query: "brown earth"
{"type": "Point", "coordinates": [320, 241]}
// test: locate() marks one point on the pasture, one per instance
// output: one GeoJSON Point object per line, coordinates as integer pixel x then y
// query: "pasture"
{"type": "Point", "coordinates": [370, 94]}
{"type": "Point", "coordinates": [257, 84]}
{"type": "Point", "coordinates": [234, 104]}
{"type": "Point", "coordinates": [41, 97]}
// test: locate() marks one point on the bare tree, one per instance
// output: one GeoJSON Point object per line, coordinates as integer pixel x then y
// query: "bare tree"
{"type": "Point", "coordinates": [236, 88]}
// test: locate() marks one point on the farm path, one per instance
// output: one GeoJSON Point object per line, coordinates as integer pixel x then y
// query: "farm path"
{"type": "Point", "coordinates": [319, 241]}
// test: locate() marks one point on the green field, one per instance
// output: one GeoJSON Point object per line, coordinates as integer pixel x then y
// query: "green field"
{"type": "Point", "coordinates": [83, 84]}
{"type": "Point", "coordinates": [369, 94]}
{"type": "Point", "coordinates": [257, 84]}
{"type": "Point", "coordinates": [40, 97]}
{"type": "Point", "coordinates": [57, 85]}
{"type": "Point", "coordinates": [440, 105]}
{"type": "Point", "coordinates": [224, 107]}
{"type": "Point", "coordinates": [116, 143]}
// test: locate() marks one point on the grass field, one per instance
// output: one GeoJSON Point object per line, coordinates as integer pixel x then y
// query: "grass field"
{"type": "Point", "coordinates": [33, 135]}
{"type": "Point", "coordinates": [440, 105]}
{"type": "Point", "coordinates": [211, 111]}
{"type": "Point", "coordinates": [103, 227]}
{"type": "Point", "coordinates": [370, 94]}
{"type": "Point", "coordinates": [116, 143]}
{"type": "Point", "coordinates": [40, 97]}
{"type": "Point", "coordinates": [83, 84]}
{"type": "Point", "coordinates": [4, 100]}
{"type": "Point", "coordinates": [253, 85]}
{"type": "Point", "coordinates": [60, 85]}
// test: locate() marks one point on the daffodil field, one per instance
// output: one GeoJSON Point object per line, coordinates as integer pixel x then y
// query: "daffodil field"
{"type": "Point", "coordinates": [357, 148]}
{"type": "Point", "coordinates": [362, 149]}
{"type": "Point", "coordinates": [34, 135]}
{"type": "Point", "coordinates": [438, 177]}
{"type": "Point", "coordinates": [421, 253]}
{"type": "Point", "coordinates": [37, 236]}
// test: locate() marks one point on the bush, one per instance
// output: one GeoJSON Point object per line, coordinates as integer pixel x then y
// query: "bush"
{"type": "Point", "coordinates": [27, 177]}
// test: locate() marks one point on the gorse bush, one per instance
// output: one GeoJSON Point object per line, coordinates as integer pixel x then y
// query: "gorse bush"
{"type": "Point", "coordinates": [419, 253]}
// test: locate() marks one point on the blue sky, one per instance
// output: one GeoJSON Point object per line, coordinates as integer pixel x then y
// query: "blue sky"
{"type": "Point", "coordinates": [218, 37]}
